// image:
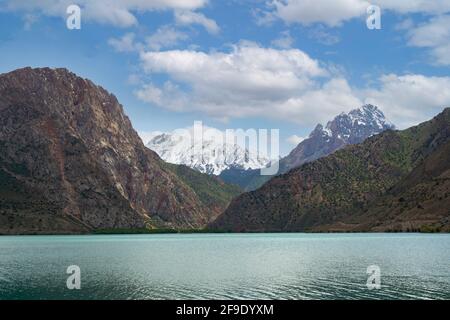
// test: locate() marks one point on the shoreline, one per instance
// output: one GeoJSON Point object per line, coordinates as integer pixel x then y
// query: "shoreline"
{"type": "Point", "coordinates": [179, 232]}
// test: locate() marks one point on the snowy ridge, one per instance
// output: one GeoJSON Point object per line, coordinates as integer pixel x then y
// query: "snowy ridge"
{"type": "Point", "coordinates": [347, 128]}
{"type": "Point", "coordinates": [358, 124]}
{"type": "Point", "coordinates": [208, 152]}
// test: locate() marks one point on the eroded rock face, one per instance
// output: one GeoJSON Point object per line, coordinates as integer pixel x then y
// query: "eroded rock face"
{"type": "Point", "coordinates": [66, 144]}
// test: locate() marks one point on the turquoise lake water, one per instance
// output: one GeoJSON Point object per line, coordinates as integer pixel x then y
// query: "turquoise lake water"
{"type": "Point", "coordinates": [226, 266]}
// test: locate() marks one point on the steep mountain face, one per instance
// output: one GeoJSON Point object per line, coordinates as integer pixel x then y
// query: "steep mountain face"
{"type": "Point", "coordinates": [397, 180]}
{"type": "Point", "coordinates": [209, 154]}
{"type": "Point", "coordinates": [419, 202]}
{"type": "Point", "coordinates": [70, 161]}
{"type": "Point", "coordinates": [347, 128]}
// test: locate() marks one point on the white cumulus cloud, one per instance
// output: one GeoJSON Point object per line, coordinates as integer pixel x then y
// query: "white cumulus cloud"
{"type": "Point", "coordinates": [285, 41]}
{"type": "Point", "coordinates": [435, 35]}
{"type": "Point", "coordinates": [294, 139]}
{"type": "Point", "coordinates": [248, 81]}
{"type": "Point", "coordinates": [286, 84]}
{"type": "Point", "coordinates": [186, 18]}
{"type": "Point", "coordinates": [334, 12]}
{"type": "Point", "coordinates": [410, 99]}
{"type": "Point", "coordinates": [165, 37]}
{"type": "Point", "coordinates": [330, 12]}
{"type": "Point", "coordinates": [126, 43]}
{"type": "Point", "coordinates": [118, 13]}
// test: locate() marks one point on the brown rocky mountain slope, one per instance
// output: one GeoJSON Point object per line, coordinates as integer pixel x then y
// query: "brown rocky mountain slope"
{"type": "Point", "coordinates": [397, 180]}
{"type": "Point", "coordinates": [70, 161]}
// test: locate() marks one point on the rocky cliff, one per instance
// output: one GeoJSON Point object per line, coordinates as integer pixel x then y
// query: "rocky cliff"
{"type": "Point", "coordinates": [70, 161]}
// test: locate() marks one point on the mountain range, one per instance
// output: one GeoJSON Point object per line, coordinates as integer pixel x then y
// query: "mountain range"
{"type": "Point", "coordinates": [209, 152]}
{"type": "Point", "coordinates": [393, 181]}
{"type": "Point", "coordinates": [347, 128]}
{"type": "Point", "coordinates": [71, 162]}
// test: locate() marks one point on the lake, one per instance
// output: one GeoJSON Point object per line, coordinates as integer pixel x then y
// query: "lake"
{"type": "Point", "coordinates": [226, 266]}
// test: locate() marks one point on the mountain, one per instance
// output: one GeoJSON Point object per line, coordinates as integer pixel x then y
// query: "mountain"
{"type": "Point", "coordinates": [414, 203]}
{"type": "Point", "coordinates": [394, 181]}
{"type": "Point", "coordinates": [209, 152]}
{"type": "Point", "coordinates": [70, 162]}
{"type": "Point", "coordinates": [347, 128]}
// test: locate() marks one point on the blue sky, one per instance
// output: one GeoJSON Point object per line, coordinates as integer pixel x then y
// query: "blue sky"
{"type": "Point", "coordinates": [285, 64]}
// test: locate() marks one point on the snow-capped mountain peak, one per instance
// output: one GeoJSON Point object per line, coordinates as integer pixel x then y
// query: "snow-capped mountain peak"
{"type": "Point", "coordinates": [346, 128]}
{"type": "Point", "coordinates": [370, 115]}
{"type": "Point", "coordinates": [208, 152]}
{"type": "Point", "coordinates": [356, 125]}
